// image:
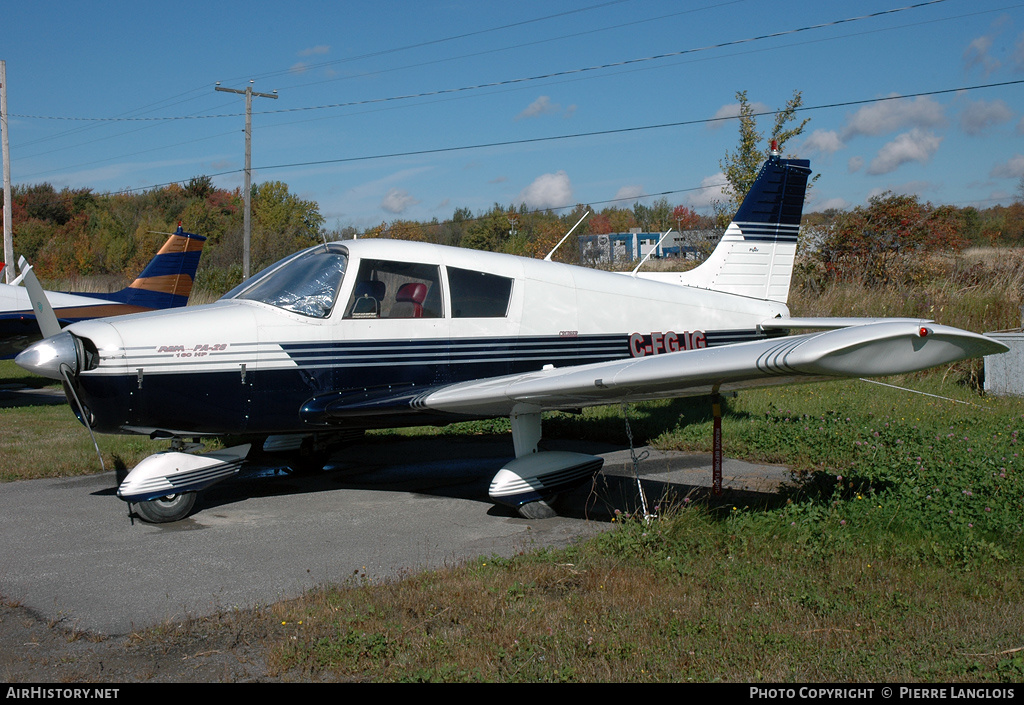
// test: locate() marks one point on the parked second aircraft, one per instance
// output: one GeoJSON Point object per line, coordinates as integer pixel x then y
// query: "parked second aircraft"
{"type": "Point", "coordinates": [166, 282]}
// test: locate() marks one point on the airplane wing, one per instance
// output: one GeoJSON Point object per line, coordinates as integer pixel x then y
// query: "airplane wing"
{"type": "Point", "coordinates": [828, 323]}
{"type": "Point", "coordinates": [867, 350]}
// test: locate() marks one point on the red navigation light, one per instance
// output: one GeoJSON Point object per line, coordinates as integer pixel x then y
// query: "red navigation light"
{"type": "Point", "coordinates": [922, 331]}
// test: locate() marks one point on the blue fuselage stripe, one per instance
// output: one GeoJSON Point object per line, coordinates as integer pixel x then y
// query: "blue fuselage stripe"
{"type": "Point", "coordinates": [255, 399]}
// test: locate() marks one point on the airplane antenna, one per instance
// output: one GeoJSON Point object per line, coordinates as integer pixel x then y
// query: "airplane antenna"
{"type": "Point", "coordinates": [653, 250]}
{"type": "Point", "coordinates": [548, 258]}
{"type": "Point", "coordinates": [160, 232]}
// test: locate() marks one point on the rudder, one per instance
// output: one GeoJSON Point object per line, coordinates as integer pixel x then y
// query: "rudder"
{"type": "Point", "coordinates": [756, 254]}
{"type": "Point", "coordinates": [166, 282]}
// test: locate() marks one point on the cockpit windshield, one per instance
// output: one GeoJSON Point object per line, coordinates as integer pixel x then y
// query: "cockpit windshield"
{"type": "Point", "coordinates": [305, 283]}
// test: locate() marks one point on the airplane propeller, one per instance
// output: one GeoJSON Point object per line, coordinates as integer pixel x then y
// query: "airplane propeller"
{"type": "Point", "coordinates": [63, 348]}
{"type": "Point", "coordinates": [48, 324]}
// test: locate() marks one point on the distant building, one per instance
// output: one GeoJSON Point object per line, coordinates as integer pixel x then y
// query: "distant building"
{"type": "Point", "coordinates": [619, 248]}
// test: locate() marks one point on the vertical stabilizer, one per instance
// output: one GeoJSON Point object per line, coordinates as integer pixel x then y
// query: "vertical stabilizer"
{"type": "Point", "coordinates": [166, 282]}
{"type": "Point", "coordinates": [755, 255]}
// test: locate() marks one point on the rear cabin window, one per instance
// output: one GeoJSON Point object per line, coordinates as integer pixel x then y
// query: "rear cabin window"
{"type": "Point", "coordinates": [387, 289]}
{"type": "Point", "coordinates": [478, 294]}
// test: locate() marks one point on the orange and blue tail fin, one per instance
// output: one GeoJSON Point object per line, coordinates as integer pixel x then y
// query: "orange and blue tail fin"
{"type": "Point", "coordinates": [166, 282]}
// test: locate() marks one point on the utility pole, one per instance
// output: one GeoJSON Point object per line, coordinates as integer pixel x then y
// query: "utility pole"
{"type": "Point", "coordinates": [247, 194]}
{"type": "Point", "coordinates": [8, 226]}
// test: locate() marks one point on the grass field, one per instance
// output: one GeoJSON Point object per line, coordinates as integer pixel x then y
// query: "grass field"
{"type": "Point", "coordinates": [48, 441]}
{"type": "Point", "coordinates": [899, 557]}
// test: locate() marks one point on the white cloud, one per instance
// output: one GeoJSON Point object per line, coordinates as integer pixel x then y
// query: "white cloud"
{"type": "Point", "coordinates": [980, 115]}
{"type": "Point", "coordinates": [1013, 168]}
{"type": "Point", "coordinates": [318, 50]}
{"type": "Point", "coordinates": [541, 106]}
{"type": "Point", "coordinates": [976, 55]}
{"type": "Point", "coordinates": [838, 204]}
{"type": "Point", "coordinates": [891, 115]}
{"type": "Point", "coordinates": [397, 201]}
{"type": "Point", "coordinates": [823, 141]}
{"type": "Point", "coordinates": [1018, 54]}
{"type": "Point", "coordinates": [914, 146]}
{"type": "Point", "coordinates": [732, 110]}
{"type": "Point", "coordinates": [548, 191]}
{"type": "Point", "coordinates": [629, 193]}
{"type": "Point", "coordinates": [855, 164]}
{"type": "Point", "coordinates": [710, 192]}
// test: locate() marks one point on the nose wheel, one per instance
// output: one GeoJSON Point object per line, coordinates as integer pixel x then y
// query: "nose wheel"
{"type": "Point", "coordinates": [172, 507]}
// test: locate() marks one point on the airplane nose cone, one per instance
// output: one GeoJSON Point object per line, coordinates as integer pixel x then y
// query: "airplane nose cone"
{"type": "Point", "coordinates": [47, 357]}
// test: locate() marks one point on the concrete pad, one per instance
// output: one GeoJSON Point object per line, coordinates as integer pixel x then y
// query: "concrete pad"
{"type": "Point", "coordinates": [71, 553]}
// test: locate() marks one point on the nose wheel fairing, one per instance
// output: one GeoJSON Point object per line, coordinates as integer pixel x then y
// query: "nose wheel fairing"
{"type": "Point", "coordinates": [174, 473]}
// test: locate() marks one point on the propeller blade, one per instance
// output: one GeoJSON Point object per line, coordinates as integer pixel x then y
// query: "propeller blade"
{"type": "Point", "coordinates": [47, 319]}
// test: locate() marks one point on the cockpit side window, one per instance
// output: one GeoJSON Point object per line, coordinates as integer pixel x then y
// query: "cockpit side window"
{"type": "Point", "coordinates": [306, 283]}
{"type": "Point", "coordinates": [388, 289]}
{"type": "Point", "coordinates": [478, 294]}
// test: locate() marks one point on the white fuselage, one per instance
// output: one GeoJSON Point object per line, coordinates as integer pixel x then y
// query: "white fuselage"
{"type": "Point", "coordinates": [241, 365]}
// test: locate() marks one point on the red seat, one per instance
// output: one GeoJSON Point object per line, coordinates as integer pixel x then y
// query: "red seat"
{"type": "Point", "coordinates": [409, 300]}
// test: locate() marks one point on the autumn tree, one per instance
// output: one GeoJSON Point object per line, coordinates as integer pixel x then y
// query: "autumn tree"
{"type": "Point", "coordinates": [869, 243]}
{"type": "Point", "coordinates": [741, 167]}
{"type": "Point", "coordinates": [492, 230]}
{"type": "Point", "coordinates": [282, 223]}
{"type": "Point", "coordinates": [686, 219]}
{"type": "Point", "coordinates": [656, 217]}
{"type": "Point", "coordinates": [404, 230]}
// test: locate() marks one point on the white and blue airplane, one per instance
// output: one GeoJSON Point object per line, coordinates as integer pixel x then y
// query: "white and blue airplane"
{"type": "Point", "coordinates": [382, 333]}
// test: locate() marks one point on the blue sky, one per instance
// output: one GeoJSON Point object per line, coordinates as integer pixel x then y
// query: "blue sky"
{"type": "Point", "coordinates": [383, 106]}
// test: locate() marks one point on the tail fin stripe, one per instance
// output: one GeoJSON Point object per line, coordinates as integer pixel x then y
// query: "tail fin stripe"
{"type": "Point", "coordinates": [755, 256]}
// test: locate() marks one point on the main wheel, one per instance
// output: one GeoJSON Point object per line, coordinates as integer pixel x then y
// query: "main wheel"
{"type": "Point", "coordinates": [164, 509]}
{"type": "Point", "coordinates": [538, 509]}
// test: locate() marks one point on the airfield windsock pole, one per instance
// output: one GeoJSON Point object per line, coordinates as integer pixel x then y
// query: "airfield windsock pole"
{"type": "Point", "coordinates": [247, 194]}
{"type": "Point", "coordinates": [8, 230]}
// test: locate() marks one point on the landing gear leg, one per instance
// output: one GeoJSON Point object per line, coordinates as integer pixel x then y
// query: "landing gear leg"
{"type": "Point", "coordinates": [526, 433]}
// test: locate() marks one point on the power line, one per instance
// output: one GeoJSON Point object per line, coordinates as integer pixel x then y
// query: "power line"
{"type": "Point", "coordinates": [597, 133]}
{"type": "Point", "coordinates": [512, 81]}
{"type": "Point", "coordinates": [456, 91]}
{"type": "Point", "coordinates": [442, 40]}
{"type": "Point", "coordinates": [639, 128]}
